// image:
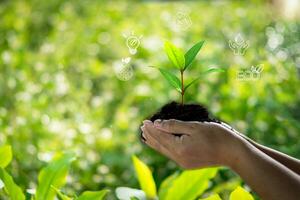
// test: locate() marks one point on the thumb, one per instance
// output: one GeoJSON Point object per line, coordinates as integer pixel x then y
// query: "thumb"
{"type": "Point", "coordinates": [174, 126]}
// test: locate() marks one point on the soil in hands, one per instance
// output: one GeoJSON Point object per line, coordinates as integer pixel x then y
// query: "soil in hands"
{"type": "Point", "coordinates": [186, 112]}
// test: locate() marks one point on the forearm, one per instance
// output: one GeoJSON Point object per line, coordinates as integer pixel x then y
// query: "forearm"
{"type": "Point", "coordinates": [270, 179]}
{"type": "Point", "coordinates": [288, 161]}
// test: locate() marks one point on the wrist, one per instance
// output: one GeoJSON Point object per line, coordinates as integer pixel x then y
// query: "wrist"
{"type": "Point", "coordinates": [241, 154]}
{"type": "Point", "coordinates": [234, 150]}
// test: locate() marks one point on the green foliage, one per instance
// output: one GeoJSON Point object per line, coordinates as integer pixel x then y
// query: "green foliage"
{"type": "Point", "coordinates": [171, 78]}
{"type": "Point", "coordinates": [191, 54]}
{"type": "Point", "coordinates": [58, 89]}
{"type": "Point", "coordinates": [12, 189]}
{"type": "Point", "coordinates": [50, 179]}
{"type": "Point", "coordinates": [175, 55]}
{"type": "Point", "coordinates": [190, 184]}
{"type": "Point", "coordinates": [182, 62]}
{"type": "Point", "coordinates": [240, 194]}
{"type": "Point", "coordinates": [210, 70]}
{"type": "Point", "coordinates": [87, 195]}
{"type": "Point", "coordinates": [212, 197]}
{"type": "Point", "coordinates": [187, 185]}
{"type": "Point", "coordinates": [90, 195]}
{"type": "Point", "coordinates": [166, 184]}
{"type": "Point", "coordinates": [53, 175]}
{"type": "Point", "coordinates": [145, 177]}
{"type": "Point", "coordinates": [60, 195]}
{"type": "Point", "coordinates": [6, 155]}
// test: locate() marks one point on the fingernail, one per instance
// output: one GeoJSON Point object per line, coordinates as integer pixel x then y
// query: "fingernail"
{"type": "Point", "coordinates": [147, 122]}
{"type": "Point", "coordinates": [157, 122]}
{"type": "Point", "coordinates": [142, 128]}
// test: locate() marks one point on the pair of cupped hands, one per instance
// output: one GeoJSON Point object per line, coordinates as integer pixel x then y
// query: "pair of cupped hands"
{"type": "Point", "coordinates": [192, 144]}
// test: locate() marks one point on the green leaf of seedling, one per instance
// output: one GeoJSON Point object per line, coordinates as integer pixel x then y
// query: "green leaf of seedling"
{"type": "Point", "coordinates": [145, 178]}
{"type": "Point", "coordinates": [192, 82]}
{"type": "Point", "coordinates": [12, 189]}
{"type": "Point", "coordinates": [53, 175]}
{"type": "Point", "coordinates": [171, 78]}
{"type": "Point", "coordinates": [210, 70]}
{"type": "Point", "coordinates": [175, 55]}
{"type": "Point", "coordinates": [91, 195]}
{"type": "Point", "coordinates": [192, 53]}
{"type": "Point", "coordinates": [5, 155]}
{"type": "Point", "coordinates": [240, 194]}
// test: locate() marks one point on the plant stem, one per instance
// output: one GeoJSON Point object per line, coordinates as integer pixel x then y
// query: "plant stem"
{"type": "Point", "coordinates": [182, 86]}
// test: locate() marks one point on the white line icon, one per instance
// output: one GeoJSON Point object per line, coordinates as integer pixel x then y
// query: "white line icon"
{"type": "Point", "coordinates": [133, 42]}
{"type": "Point", "coordinates": [123, 70]}
{"type": "Point", "coordinates": [254, 73]}
{"type": "Point", "coordinates": [183, 20]}
{"type": "Point", "coordinates": [238, 45]}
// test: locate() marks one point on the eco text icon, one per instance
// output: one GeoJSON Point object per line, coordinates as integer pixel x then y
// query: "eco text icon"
{"type": "Point", "coordinates": [254, 73]}
{"type": "Point", "coordinates": [238, 45]}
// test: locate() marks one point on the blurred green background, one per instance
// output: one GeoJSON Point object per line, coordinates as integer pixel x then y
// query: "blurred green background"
{"type": "Point", "coordinates": [59, 89]}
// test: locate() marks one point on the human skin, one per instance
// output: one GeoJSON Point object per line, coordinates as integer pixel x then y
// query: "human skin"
{"type": "Point", "coordinates": [288, 161]}
{"type": "Point", "coordinates": [203, 144]}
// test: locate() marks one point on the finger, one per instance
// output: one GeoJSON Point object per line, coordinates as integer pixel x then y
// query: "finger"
{"type": "Point", "coordinates": [143, 137]}
{"type": "Point", "coordinates": [168, 140]}
{"type": "Point", "coordinates": [154, 144]}
{"type": "Point", "coordinates": [148, 135]}
{"type": "Point", "coordinates": [174, 126]}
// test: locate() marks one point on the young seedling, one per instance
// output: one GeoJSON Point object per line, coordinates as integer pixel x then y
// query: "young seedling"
{"type": "Point", "coordinates": [182, 62]}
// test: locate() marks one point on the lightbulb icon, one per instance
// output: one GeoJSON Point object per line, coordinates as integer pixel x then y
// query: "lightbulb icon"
{"type": "Point", "coordinates": [133, 42]}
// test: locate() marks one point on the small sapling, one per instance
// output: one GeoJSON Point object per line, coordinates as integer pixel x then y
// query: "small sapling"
{"type": "Point", "coordinates": [181, 62]}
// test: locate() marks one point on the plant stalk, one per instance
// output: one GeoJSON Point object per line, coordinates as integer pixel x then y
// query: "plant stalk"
{"type": "Point", "coordinates": [182, 87]}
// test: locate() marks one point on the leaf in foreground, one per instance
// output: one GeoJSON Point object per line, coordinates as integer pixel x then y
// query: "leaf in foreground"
{"type": "Point", "coordinates": [240, 194]}
{"type": "Point", "coordinates": [190, 184]}
{"type": "Point", "coordinates": [53, 175]}
{"type": "Point", "coordinates": [165, 185]}
{"type": "Point", "coordinates": [12, 189]}
{"type": "Point", "coordinates": [5, 155]}
{"type": "Point", "coordinates": [92, 195]}
{"type": "Point", "coordinates": [60, 195]}
{"type": "Point", "coordinates": [145, 177]}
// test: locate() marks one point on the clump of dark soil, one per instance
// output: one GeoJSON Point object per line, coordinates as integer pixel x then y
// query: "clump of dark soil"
{"type": "Point", "coordinates": [186, 112]}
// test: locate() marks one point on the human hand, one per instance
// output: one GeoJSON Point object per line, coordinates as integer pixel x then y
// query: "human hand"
{"type": "Point", "coordinates": [193, 144]}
